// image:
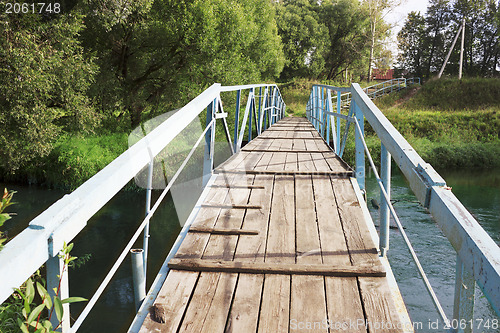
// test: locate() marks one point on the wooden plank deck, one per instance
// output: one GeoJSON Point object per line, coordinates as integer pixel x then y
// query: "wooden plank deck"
{"type": "Point", "coordinates": [307, 262]}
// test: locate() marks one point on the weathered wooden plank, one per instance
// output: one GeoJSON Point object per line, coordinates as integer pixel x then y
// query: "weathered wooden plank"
{"type": "Point", "coordinates": [172, 300]}
{"type": "Point", "coordinates": [345, 311]}
{"type": "Point", "coordinates": [208, 265]}
{"type": "Point", "coordinates": [291, 162]}
{"type": "Point", "coordinates": [275, 305]}
{"type": "Point", "coordinates": [379, 306]}
{"type": "Point", "coordinates": [277, 162]}
{"type": "Point", "coordinates": [362, 250]}
{"type": "Point", "coordinates": [194, 244]}
{"type": "Point", "coordinates": [335, 162]}
{"type": "Point", "coordinates": [299, 144]}
{"type": "Point", "coordinates": [263, 162]}
{"type": "Point", "coordinates": [199, 305]}
{"type": "Point", "coordinates": [219, 307]}
{"type": "Point", "coordinates": [332, 239]}
{"type": "Point", "coordinates": [308, 246]}
{"type": "Point", "coordinates": [223, 231]}
{"type": "Point", "coordinates": [343, 299]}
{"type": "Point", "coordinates": [319, 162]}
{"type": "Point", "coordinates": [332, 174]}
{"type": "Point", "coordinates": [305, 162]}
{"type": "Point", "coordinates": [252, 248]}
{"type": "Point", "coordinates": [308, 303]}
{"type": "Point", "coordinates": [232, 206]}
{"type": "Point", "coordinates": [244, 314]}
{"type": "Point", "coordinates": [222, 246]}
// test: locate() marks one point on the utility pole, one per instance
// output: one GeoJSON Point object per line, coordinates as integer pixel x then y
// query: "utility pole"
{"type": "Point", "coordinates": [462, 50]}
{"type": "Point", "coordinates": [462, 29]}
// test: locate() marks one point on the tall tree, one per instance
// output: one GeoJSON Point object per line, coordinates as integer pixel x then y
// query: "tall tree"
{"type": "Point", "coordinates": [437, 18]}
{"type": "Point", "coordinates": [44, 78]}
{"type": "Point", "coordinates": [348, 28]}
{"type": "Point", "coordinates": [163, 53]}
{"type": "Point", "coordinates": [411, 44]}
{"type": "Point", "coordinates": [304, 36]}
{"type": "Point", "coordinates": [379, 29]}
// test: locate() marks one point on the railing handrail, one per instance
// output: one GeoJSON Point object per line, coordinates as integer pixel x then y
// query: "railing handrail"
{"type": "Point", "coordinates": [476, 250]}
{"type": "Point", "coordinates": [63, 220]}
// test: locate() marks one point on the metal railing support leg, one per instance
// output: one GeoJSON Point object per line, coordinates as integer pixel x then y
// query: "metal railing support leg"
{"type": "Point", "coordinates": [339, 111]}
{"type": "Point", "coordinates": [145, 241]}
{"type": "Point", "coordinates": [250, 118]}
{"type": "Point", "coordinates": [385, 174]}
{"type": "Point", "coordinates": [360, 151]}
{"type": "Point", "coordinates": [207, 158]}
{"type": "Point", "coordinates": [237, 120]}
{"type": "Point", "coordinates": [463, 307]}
{"type": "Point", "coordinates": [138, 277]}
{"type": "Point", "coordinates": [58, 279]}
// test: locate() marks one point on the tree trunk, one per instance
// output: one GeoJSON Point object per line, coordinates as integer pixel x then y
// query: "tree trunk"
{"type": "Point", "coordinates": [372, 47]}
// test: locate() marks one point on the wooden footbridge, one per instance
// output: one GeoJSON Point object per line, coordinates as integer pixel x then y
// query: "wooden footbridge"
{"type": "Point", "coordinates": [280, 239]}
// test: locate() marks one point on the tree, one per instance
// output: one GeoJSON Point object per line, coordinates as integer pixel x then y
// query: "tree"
{"type": "Point", "coordinates": [411, 44]}
{"type": "Point", "coordinates": [437, 18]}
{"type": "Point", "coordinates": [347, 27]}
{"type": "Point", "coordinates": [379, 29]}
{"type": "Point", "coordinates": [161, 54]}
{"type": "Point", "coordinates": [44, 77]}
{"type": "Point", "coordinates": [304, 36]}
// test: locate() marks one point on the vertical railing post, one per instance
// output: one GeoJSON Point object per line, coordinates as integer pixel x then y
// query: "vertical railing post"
{"type": "Point", "coordinates": [339, 111]}
{"type": "Point", "coordinates": [138, 277]}
{"type": "Point", "coordinates": [322, 110]}
{"type": "Point", "coordinates": [258, 112]}
{"type": "Point", "coordinates": [207, 158]}
{"type": "Point", "coordinates": [57, 279]}
{"type": "Point", "coordinates": [145, 241]}
{"type": "Point", "coordinates": [250, 118]}
{"type": "Point", "coordinates": [328, 108]}
{"type": "Point", "coordinates": [360, 150]}
{"type": "Point", "coordinates": [463, 307]}
{"type": "Point", "coordinates": [385, 175]}
{"type": "Point", "coordinates": [237, 119]}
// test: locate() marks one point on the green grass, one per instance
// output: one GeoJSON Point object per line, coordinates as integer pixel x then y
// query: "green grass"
{"type": "Point", "coordinates": [76, 158]}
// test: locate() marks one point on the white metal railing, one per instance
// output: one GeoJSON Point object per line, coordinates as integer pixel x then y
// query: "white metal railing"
{"type": "Point", "coordinates": [381, 89]}
{"type": "Point", "coordinates": [41, 242]}
{"type": "Point", "coordinates": [478, 256]}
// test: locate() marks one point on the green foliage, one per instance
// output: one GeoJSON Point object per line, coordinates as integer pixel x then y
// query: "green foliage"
{"type": "Point", "coordinates": [76, 158]}
{"type": "Point", "coordinates": [43, 82]}
{"type": "Point", "coordinates": [21, 313]}
{"type": "Point", "coordinates": [5, 203]}
{"type": "Point", "coordinates": [425, 40]}
{"type": "Point", "coordinates": [159, 57]}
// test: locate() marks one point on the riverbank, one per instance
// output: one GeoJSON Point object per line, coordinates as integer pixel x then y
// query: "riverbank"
{"type": "Point", "coordinates": [451, 124]}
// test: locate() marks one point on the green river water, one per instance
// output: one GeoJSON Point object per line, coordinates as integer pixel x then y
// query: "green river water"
{"type": "Point", "coordinates": [109, 231]}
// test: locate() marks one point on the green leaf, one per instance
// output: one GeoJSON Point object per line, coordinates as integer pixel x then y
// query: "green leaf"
{"type": "Point", "coordinates": [58, 307]}
{"type": "Point", "coordinates": [44, 295]}
{"type": "Point", "coordinates": [34, 314]}
{"type": "Point", "coordinates": [30, 290]}
{"type": "Point", "coordinates": [4, 217]}
{"type": "Point", "coordinates": [47, 324]}
{"type": "Point", "coordinates": [22, 326]}
{"type": "Point", "coordinates": [73, 300]}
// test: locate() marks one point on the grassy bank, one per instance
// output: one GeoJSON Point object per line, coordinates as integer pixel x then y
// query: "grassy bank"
{"type": "Point", "coordinates": [450, 123]}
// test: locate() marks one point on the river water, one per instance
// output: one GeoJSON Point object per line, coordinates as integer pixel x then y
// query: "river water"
{"type": "Point", "coordinates": [109, 231]}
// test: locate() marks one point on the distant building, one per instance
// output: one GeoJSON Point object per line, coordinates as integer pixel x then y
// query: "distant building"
{"type": "Point", "coordinates": [382, 74]}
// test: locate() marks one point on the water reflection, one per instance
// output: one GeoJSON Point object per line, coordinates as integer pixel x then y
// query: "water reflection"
{"type": "Point", "coordinates": [480, 193]}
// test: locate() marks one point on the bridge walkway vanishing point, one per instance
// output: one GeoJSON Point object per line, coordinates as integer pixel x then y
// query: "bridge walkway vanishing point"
{"type": "Point", "coordinates": [280, 244]}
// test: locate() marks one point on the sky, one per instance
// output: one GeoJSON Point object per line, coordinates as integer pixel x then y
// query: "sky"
{"type": "Point", "coordinates": [398, 16]}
